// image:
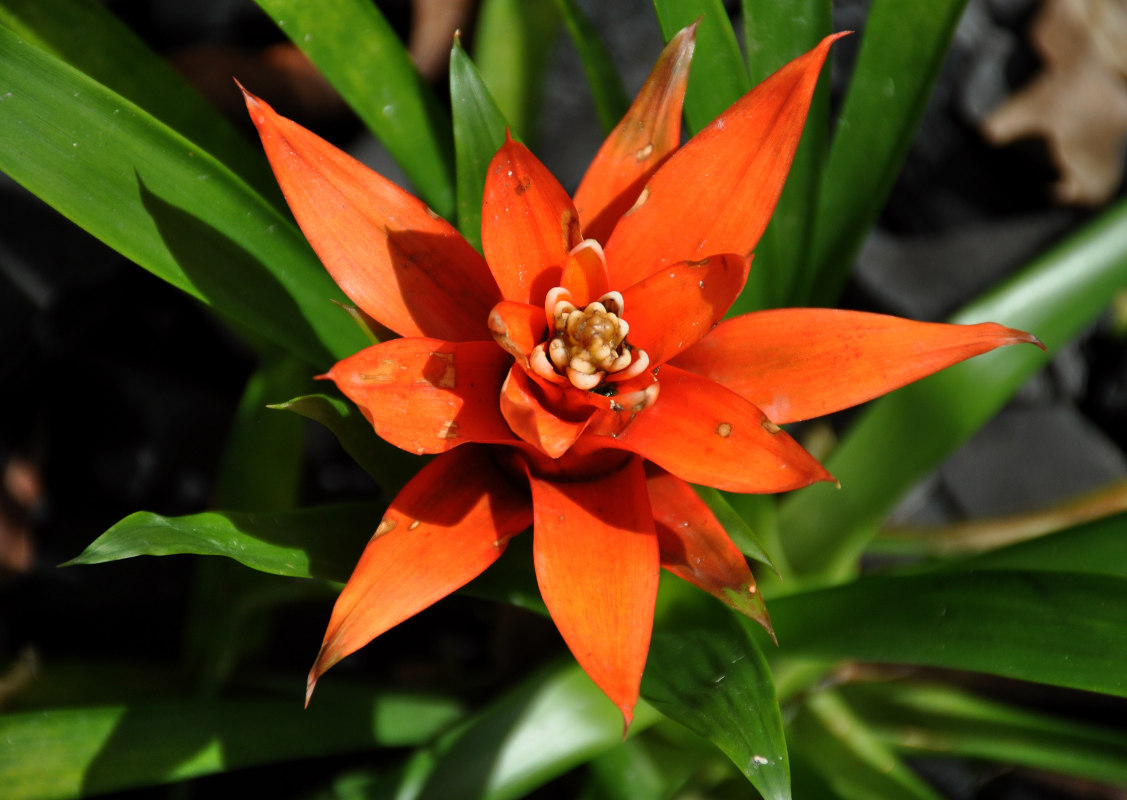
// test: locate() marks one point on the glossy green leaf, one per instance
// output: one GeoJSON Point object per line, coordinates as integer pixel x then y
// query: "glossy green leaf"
{"type": "Point", "coordinates": [322, 542]}
{"type": "Point", "coordinates": [552, 722]}
{"type": "Point", "coordinates": [362, 57]}
{"type": "Point", "coordinates": [1055, 297]}
{"type": "Point", "coordinates": [1062, 628]}
{"type": "Point", "coordinates": [390, 466]}
{"type": "Point", "coordinates": [163, 202]}
{"type": "Point", "coordinates": [75, 752]}
{"type": "Point", "coordinates": [932, 718]}
{"type": "Point", "coordinates": [642, 768]}
{"type": "Point", "coordinates": [603, 79]}
{"type": "Point", "coordinates": [479, 132]}
{"type": "Point", "coordinates": [718, 77]}
{"type": "Point", "coordinates": [775, 33]}
{"type": "Point", "coordinates": [827, 735]}
{"type": "Point", "coordinates": [512, 46]}
{"type": "Point", "coordinates": [712, 678]}
{"type": "Point", "coordinates": [261, 465]}
{"type": "Point", "coordinates": [902, 48]}
{"type": "Point", "coordinates": [89, 38]}
{"type": "Point", "coordinates": [1099, 547]}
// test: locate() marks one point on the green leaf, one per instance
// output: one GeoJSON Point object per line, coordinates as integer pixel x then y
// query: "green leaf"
{"type": "Point", "coordinates": [390, 466]}
{"type": "Point", "coordinates": [89, 38]}
{"type": "Point", "coordinates": [774, 34]}
{"type": "Point", "coordinates": [902, 50]}
{"type": "Point", "coordinates": [322, 542]}
{"type": "Point", "coordinates": [163, 202]}
{"type": "Point", "coordinates": [479, 132]}
{"type": "Point", "coordinates": [826, 529]}
{"type": "Point", "coordinates": [352, 44]}
{"type": "Point", "coordinates": [1098, 547]}
{"type": "Point", "coordinates": [642, 768]}
{"type": "Point", "coordinates": [718, 77]}
{"type": "Point", "coordinates": [603, 79]}
{"type": "Point", "coordinates": [1061, 628]}
{"type": "Point", "coordinates": [738, 529]}
{"type": "Point", "coordinates": [712, 678]}
{"type": "Point", "coordinates": [512, 46]}
{"type": "Point", "coordinates": [827, 735]}
{"type": "Point", "coordinates": [65, 753]}
{"type": "Point", "coordinates": [931, 718]}
{"type": "Point", "coordinates": [552, 722]}
{"type": "Point", "coordinates": [261, 466]}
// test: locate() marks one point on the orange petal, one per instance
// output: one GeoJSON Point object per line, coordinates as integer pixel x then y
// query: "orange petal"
{"type": "Point", "coordinates": [585, 275]}
{"type": "Point", "coordinates": [427, 396]}
{"type": "Point", "coordinates": [541, 414]}
{"type": "Point", "coordinates": [394, 257]}
{"type": "Point", "coordinates": [672, 309]}
{"type": "Point", "coordinates": [639, 144]}
{"type": "Point", "coordinates": [706, 434]}
{"type": "Point", "coordinates": [597, 563]}
{"type": "Point", "coordinates": [717, 193]}
{"type": "Point", "coordinates": [695, 546]}
{"type": "Point", "coordinates": [798, 363]}
{"type": "Point", "coordinates": [517, 328]}
{"type": "Point", "coordinates": [528, 224]}
{"type": "Point", "coordinates": [447, 525]}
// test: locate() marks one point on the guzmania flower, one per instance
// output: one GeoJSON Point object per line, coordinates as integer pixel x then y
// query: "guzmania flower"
{"type": "Point", "coordinates": [578, 378]}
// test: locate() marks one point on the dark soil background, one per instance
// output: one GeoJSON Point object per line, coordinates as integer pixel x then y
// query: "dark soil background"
{"type": "Point", "coordinates": [118, 390]}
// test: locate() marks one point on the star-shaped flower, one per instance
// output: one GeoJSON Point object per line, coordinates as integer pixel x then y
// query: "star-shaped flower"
{"type": "Point", "coordinates": [578, 377]}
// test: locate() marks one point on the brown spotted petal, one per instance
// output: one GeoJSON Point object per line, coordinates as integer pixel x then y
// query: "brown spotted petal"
{"type": "Point", "coordinates": [706, 434]}
{"type": "Point", "coordinates": [426, 395]}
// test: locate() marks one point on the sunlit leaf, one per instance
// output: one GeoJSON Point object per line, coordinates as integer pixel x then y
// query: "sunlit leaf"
{"type": "Point", "coordinates": [362, 57]}
{"type": "Point", "coordinates": [163, 202]}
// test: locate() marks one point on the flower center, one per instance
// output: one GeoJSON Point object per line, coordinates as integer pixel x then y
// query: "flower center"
{"type": "Point", "coordinates": [588, 346]}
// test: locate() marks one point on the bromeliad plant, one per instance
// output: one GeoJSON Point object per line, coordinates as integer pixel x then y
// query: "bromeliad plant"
{"type": "Point", "coordinates": [581, 384]}
{"type": "Point", "coordinates": [588, 368]}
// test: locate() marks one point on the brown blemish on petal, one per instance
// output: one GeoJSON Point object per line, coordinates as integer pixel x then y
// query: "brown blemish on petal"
{"type": "Point", "coordinates": [523, 185]}
{"type": "Point", "coordinates": [702, 263]}
{"type": "Point", "coordinates": [432, 213]}
{"type": "Point", "coordinates": [724, 430]}
{"type": "Point", "coordinates": [414, 525]}
{"type": "Point", "coordinates": [384, 372]}
{"type": "Point", "coordinates": [386, 526]}
{"type": "Point", "coordinates": [644, 152]}
{"type": "Point", "coordinates": [449, 430]}
{"type": "Point", "coordinates": [642, 198]}
{"type": "Point", "coordinates": [770, 427]}
{"type": "Point", "coordinates": [569, 229]}
{"type": "Point", "coordinates": [439, 371]}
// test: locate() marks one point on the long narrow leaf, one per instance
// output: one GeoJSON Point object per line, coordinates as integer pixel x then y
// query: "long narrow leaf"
{"type": "Point", "coordinates": [825, 529]}
{"type": "Point", "coordinates": [163, 202]}
{"type": "Point", "coordinates": [603, 79]}
{"type": "Point", "coordinates": [947, 721]}
{"type": "Point", "coordinates": [512, 45]}
{"type": "Point", "coordinates": [89, 38]}
{"type": "Point", "coordinates": [849, 757]}
{"type": "Point", "coordinates": [66, 753]}
{"type": "Point", "coordinates": [902, 49]}
{"type": "Point", "coordinates": [358, 51]}
{"type": "Point", "coordinates": [479, 132]}
{"type": "Point", "coordinates": [1062, 628]}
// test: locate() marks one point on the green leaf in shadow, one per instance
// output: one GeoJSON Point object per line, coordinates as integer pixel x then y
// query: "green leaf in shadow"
{"type": "Point", "coordinates": [322, 542]}
{"type": "Point", "coordinates": [603, 79]}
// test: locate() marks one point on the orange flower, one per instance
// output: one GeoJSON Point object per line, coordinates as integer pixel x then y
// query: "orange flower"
{"type": "Point", "coordinates": [578, 377]}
